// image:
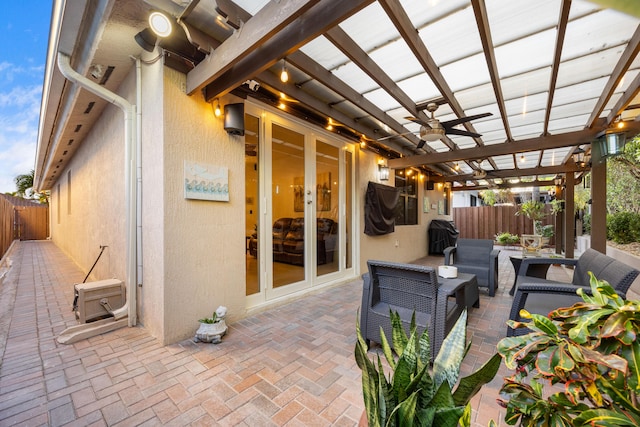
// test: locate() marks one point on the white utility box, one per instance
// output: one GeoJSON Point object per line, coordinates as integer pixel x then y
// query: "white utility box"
{"type": "Point", "coordinates": [94, 300]}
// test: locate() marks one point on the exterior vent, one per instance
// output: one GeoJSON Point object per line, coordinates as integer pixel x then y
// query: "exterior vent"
{"type": "Point", "coordinates": [89, 107]}
{"type": "Point", "coordinates": [107, 74]}
{"type": "Point", "coordinates": [96, 300]}
{"type": "Point", "coordinates": [77, 129]}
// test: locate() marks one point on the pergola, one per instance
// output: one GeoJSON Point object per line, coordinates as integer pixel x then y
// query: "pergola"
{"type": "Point", "coordinates": [556, 76]}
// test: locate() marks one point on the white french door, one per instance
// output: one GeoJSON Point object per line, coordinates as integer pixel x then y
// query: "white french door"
{"type": "Point", "coordinates": [298, 182]}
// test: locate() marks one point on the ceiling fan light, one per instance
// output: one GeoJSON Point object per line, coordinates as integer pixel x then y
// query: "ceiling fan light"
{"type": "Point", "coordinates": [433, 135]}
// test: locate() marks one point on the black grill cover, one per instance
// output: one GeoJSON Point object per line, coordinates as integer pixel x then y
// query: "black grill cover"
{"type": "Point", "coordinates": [380, 209]}
{"type": "Point", "coordinates": [442, 234]}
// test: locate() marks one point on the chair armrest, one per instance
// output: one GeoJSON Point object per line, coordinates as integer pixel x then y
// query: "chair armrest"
{"type": "Point", "coordinates": [448, 255]}
{"type": "Point", "coordinates": [526, 289]}
{"type": "Point", "coordinates": [526, 262]}
{"type": "Point", "coordinates": [364, 307]}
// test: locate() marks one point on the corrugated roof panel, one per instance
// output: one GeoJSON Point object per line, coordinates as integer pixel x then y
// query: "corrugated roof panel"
{"type": "Point", "coordinates": [597, 31]}
{"type": "Point", "coordinates": [324, 53]}
{"type": "Point", "coordinates": [511, 20]}
{"type": "Point", "coordinates": [539, 50]}
{"type": "Point", "coordinates": [449, 39]}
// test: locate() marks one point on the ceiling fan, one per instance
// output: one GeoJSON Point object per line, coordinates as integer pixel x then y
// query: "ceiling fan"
{"type": "Point", "coordinates": [433, 129]}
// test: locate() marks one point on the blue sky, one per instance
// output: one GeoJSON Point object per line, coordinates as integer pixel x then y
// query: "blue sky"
{"type": "Point", "coordinates": [24, 33]}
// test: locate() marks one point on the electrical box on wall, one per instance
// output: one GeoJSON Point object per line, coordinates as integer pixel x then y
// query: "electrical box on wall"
{"type": "Point", "coordinates": [95, 300]}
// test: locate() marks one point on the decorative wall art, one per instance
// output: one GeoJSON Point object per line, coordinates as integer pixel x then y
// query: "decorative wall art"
{"type": "Point", "coordinates": [206, 182]}
{"type": "Point", "coordinates": [425, 204]}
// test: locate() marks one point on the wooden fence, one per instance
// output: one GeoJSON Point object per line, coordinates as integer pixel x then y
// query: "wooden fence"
{"type": "Point", "coordinates": [484, 222]}
{"type": "Point", "coordinates": [21, 219]}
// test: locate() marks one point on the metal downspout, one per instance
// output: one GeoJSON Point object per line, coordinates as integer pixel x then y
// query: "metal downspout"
{"type": "Point", "coordinates": [129, 110]}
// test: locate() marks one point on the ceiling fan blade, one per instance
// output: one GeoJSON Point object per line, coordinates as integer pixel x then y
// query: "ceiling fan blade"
{"type": "Point", "coordinates": [414, 120]}
{"type": "Point", "coordinates": [421, 143]}
{"type": "Point", "coordinates": [460, 132]}
{"type": "Point", "coordinates": [396, 135]}
{"type": "Point", "coordinates": [454, 122]}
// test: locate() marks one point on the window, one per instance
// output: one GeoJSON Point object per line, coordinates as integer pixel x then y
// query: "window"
{"type": "Point", "coordinates": [407, 209]}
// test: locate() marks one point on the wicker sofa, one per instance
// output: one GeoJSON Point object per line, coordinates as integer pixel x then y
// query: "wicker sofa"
{"type": "Point", "coordinates": [541, 296]}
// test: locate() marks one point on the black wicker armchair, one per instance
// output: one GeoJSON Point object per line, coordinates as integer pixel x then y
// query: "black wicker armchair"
{"type": "Point", "coordinates": [475, 256]}
{"type": "Point", "coordinates": [541, 296]}
{"type": "Point", "coordinates": [405, 288]}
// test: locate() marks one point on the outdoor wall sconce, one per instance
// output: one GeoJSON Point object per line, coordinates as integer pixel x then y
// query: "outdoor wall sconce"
{"type": "Point", "coordinates": [165, 32]}
{"type": "Point", "coordinates": [383, 171]}
{"type": "Point", "coordinates": [215, 105]}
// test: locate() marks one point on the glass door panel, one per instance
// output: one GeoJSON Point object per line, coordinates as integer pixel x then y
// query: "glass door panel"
{"type": "Point", "coordinates": [288, 201]}
{"type": "Point", "coordinates": [327, 208]}
{"type": "Point", "coordinates": [251, 179]}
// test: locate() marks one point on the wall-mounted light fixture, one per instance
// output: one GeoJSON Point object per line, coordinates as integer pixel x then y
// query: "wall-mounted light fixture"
{"type": "Point", "coordinates": [160, 24]}
{"type": "Point", "coordinates": [284, 75]}
{"type": "Point", "coordinates": [383, 171]}
{"type": "Point", "coordinates": [164, 31]}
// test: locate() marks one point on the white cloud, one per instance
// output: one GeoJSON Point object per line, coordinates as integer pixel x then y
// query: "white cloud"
{"type": "Point", "coordinates": [19, 114]}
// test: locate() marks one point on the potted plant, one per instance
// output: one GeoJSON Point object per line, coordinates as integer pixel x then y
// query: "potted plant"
{"type": "Point", "coordinates": [535, 211]}
{"type": "Point", "coordinates": [591, 349]}
{"type": "Point", "coordinates": [213, 328]}
{"type": "Point", "coordinates": [413, 393]}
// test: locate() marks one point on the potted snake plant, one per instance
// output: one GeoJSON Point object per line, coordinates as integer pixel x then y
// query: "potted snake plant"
{"type": "Point", "coordinates": [415, 393]}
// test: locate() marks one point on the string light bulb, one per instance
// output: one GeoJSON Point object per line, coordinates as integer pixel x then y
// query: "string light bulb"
{"type": "Point", "coordinates": [217, 112]}
{"type": "Point", "coordinates": [522, 159]}
{"type": "Point", "coordinates": [284, 75]}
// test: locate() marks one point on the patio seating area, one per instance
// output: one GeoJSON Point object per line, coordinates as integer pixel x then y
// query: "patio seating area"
{"type": "Point", "coordinates": [288, 366]}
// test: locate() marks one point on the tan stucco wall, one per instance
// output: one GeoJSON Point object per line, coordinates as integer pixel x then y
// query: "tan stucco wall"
{"type": "Point", "coordinates": [204, 241]}
{"type": "Point", "coordinates": [193, 251]}
{"type": "Point", "coordinates": [88, 210]}
{"type": "Point", "coordinates": [411, 239]}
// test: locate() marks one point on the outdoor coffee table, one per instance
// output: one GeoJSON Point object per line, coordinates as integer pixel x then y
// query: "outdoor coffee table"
{"type": "Point", "coordinates": [465, 284]}
{"type": "Point", "coordinates": [534, 270]}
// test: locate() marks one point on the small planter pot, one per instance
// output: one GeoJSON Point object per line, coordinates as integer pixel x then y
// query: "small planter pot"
{"type": "Point", "coordinates": [211, 332]}
{"type": "Point", "coordinates": [531, 244]}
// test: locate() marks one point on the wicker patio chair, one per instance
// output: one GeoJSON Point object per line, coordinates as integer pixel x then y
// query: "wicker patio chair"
{"type": "Point", "coordinates": [475, 256]}
{"type": "Point", "coordinates": [405, 288]}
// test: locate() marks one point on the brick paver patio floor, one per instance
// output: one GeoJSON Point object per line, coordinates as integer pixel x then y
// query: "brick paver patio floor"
{"type": "Point", "coordinates": [288, 366]}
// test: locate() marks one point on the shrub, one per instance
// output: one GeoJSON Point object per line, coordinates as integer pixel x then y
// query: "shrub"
{"type": "Point", "coordinates": [623, 227]}
{"type": "Point", "coordinates": [505, 238]}
{"type": "Point", "coordinates": [591, 348]}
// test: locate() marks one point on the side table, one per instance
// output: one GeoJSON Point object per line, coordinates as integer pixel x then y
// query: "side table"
{"type": "Point", "coordinates": [534, 270]}
{"type": "Point", "coordinates": [469, 283]}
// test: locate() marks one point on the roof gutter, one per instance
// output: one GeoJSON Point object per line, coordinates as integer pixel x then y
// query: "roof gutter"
{"type": "Point", "coordinates": [129, 110]}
